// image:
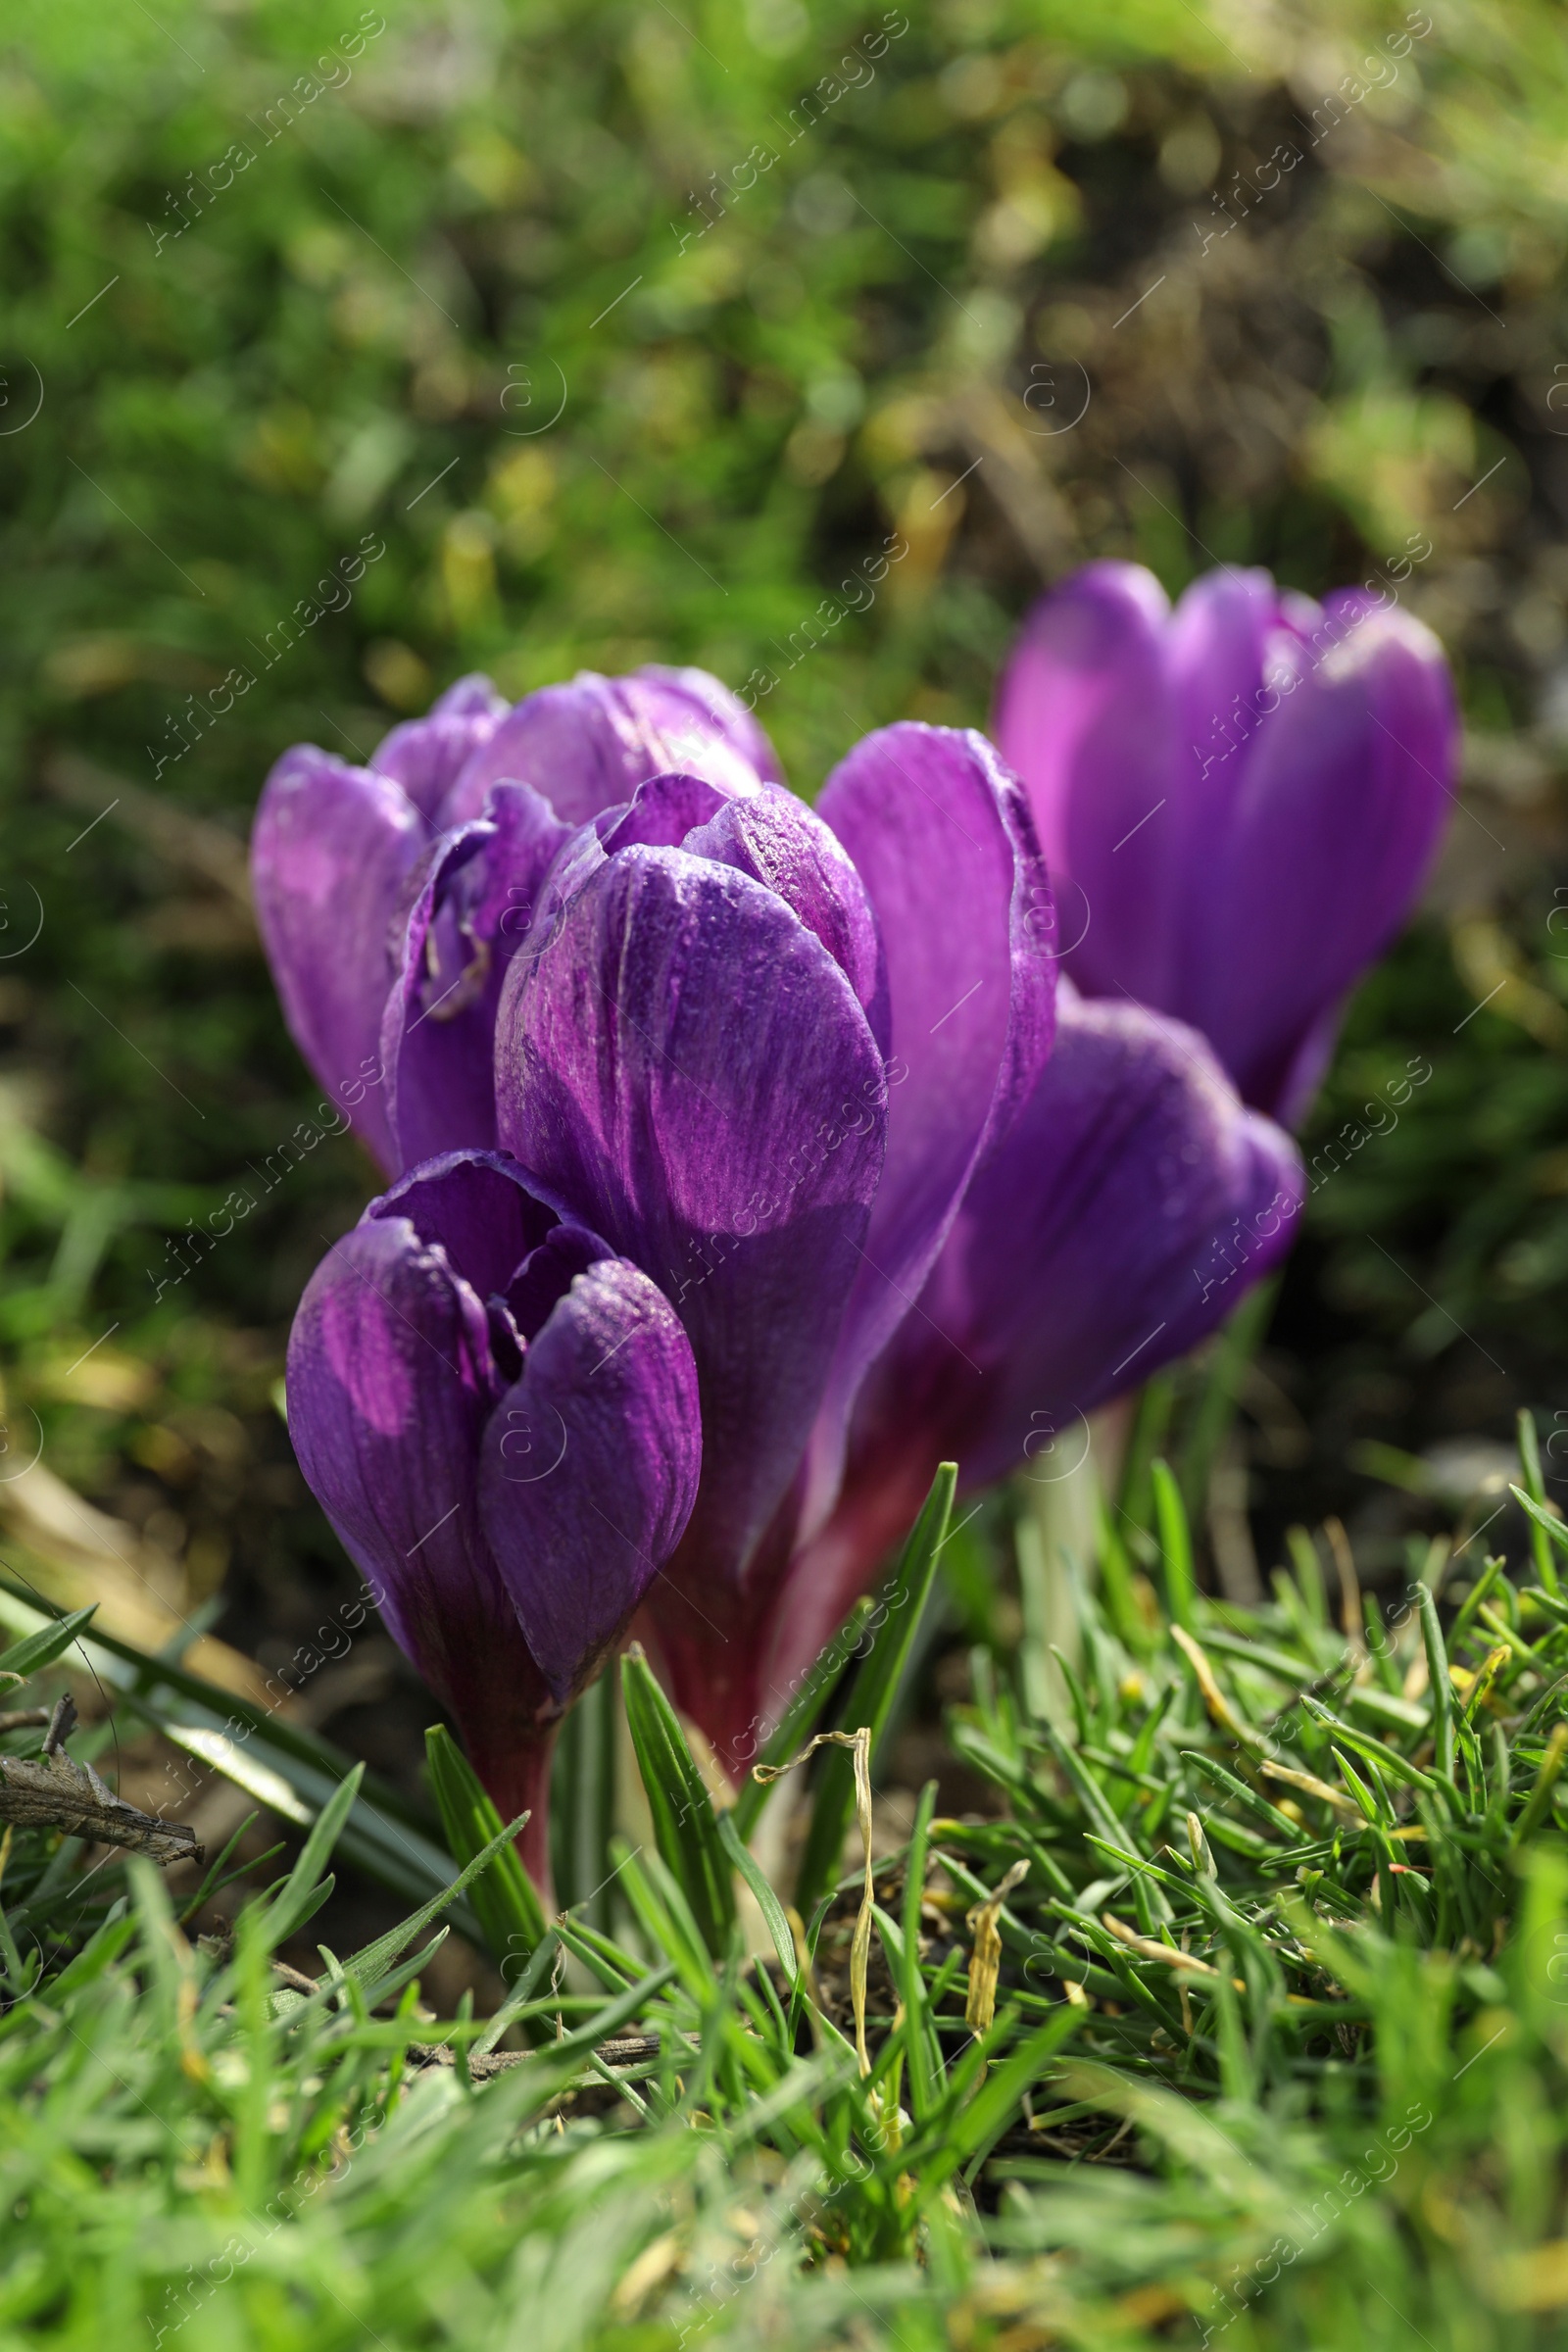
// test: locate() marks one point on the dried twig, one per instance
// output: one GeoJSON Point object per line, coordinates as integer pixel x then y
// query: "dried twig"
{"type": "Point", "coordinates": [54, 1791]}
{"type": "Point", "coordinates": [626, 2049]}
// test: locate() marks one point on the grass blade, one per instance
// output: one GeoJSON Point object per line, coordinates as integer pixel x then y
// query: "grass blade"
{"type": "Point", "coordinates": [292, 1772]}
{"type": "Point", "coordinates": [1540, 1518]}
{"type": "Point", "coordinates": [685, 1831]}
{"type": "Point", "coordinates": [1441, 1688]}
{"type": "Point", "coordinates": [767, 1902]}
{"type": "Point", "coordinates": [372, 1963]}
{"type": "Point", "coordinates": [1175, 1544]}
{"type": "Point", "coordinates": [40, 1649]}
{"type": "Point", "coordinates": [504, 1897]}
{"type": "Point", "coordinates": [583, 1803]}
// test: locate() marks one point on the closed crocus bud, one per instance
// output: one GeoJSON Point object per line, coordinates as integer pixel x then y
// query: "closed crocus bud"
{"type": "Point", "coordinates": [693, 1048]}
{"type": "Point", "coordinates": [1131, 1204]}
{"type": "Point", "coordinates": [1238, 799]}
{"type": "Point", "coordinates": [499, 1417]}
{"type": "Point", "coordinates": [391, 898]}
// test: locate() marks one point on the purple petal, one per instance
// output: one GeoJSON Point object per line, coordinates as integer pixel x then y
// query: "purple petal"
{"type": "Point", "coordinates": [1343, 795]}
{"type": "Point", "coordinates": [780, 843]}
{"type": "Point", "coordinates": [941, 837]}
{"type": "Point", "coordinates": [688, 1068]}
{"type": "Point", "coordinates": [425, 755]}
{"type": "Point", "coordinates": [588, 745]}
{"type": "Point", "coordinates": [548, 1272]}
{"type": "Point", "coordinates": [1087, 716]}
{"type": "Point", "coordinates": [589, 1467]}
{"type": "Point", "coordinates": [715, 707]}
{"type": "Point", "coordinates": [1129, 1209]}
{"type": "Point", "coordinates": [331, 854]}
{"type": "Point", "coordinates": [1217, 642]}
{"type": "Point", "coordinates": [390, 1385]}
{"type": "Point", "coordinates": [482, 1210]}
{"type": "Point", "coordinates": [662, 812]}
{"type": "Point", "coordinates": [762, 831]}
{"type": "Point", "coordinates": [1131, 1206]}
{"type": "Point", "coordinates": [439, 1028]}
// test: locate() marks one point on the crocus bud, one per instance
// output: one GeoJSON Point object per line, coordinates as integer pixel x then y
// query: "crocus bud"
{"type": "Point", "coordinates": [1238, 799]}
{"type": "Point", "coordinates": [499, 1416]}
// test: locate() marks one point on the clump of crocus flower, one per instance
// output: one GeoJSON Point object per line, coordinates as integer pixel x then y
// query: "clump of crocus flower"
{"type": "Point", "coordinates": [761, 1135]}
{"type": "Point", "coordinates": [1238, 798]}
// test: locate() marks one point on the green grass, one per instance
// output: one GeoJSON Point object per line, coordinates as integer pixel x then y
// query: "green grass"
{"type": "Point", "coordinates": [1280, 2059]}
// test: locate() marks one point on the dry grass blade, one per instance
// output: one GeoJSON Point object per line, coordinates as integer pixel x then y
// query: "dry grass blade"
{"type": "Point", "coordinates": [1349, 1584]}
{"type": "Point", "coordinates": [1147, 1948]}
{"type": "Point", "coordinates": [1214, 1696]}
{"type": "Point", "coordinates": [860, 1947]}
{"type": "Point", "coordinates": [1310, 1786]}
{"type": "Point", "coordinates": [985, 1961]}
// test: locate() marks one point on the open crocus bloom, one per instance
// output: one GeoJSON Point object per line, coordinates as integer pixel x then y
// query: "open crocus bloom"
{"type": "Point", "coordinates": [500, 1418]}
{"type": "Point", "coordinates": [391, 898]}
{"type": "Point", "coordinates": [1238, 798]}
{"type": "Point", "coordinates": [696, 1049]}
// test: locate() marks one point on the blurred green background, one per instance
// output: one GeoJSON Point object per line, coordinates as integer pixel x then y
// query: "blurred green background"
{"type": "Point", "coordinates": [629, 332]}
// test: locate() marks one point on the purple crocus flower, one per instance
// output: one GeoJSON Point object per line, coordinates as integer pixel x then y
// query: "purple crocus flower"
{"type": "Point", "coordinates": [700, 1045]}
{"type": "Point", "coordinates": [791, 1073]}
{"type": "Point", "coordinates": [1238, 798]}
{"type": "Point", "coordinates": [499, 1416]}
{"type": "Point", "coordinates": [392, 897]}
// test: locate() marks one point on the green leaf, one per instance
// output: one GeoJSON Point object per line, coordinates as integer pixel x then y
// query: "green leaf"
{"type": "Point", "coordinates": [973, 2126]}
{"type": "Point", "coordinates": [369, 1965]}
{"type": "Point", "coordinates": [1374, 1751]}
{"type": "Point", "coordinates": [1541, 1520]}
{"type": "Point", "coordinates": [1238, 1343]}
{"type": "Point", "coordinates": [1116, 1582]}
{"type": "Point", "coordinates": [1441, 1688]}
{"type": "Point", "coordinates": [292, 1903]}
{"type": "Point", "coordinates": [1280, 1822]}
{"type": "Point", "coordinates": [1357, 1787]}
{"type": "Point", "coordinates": [875, 1687]}
{"type": "Point", "coordinates": [1176, 1546]}
{"type": "Point", "coordinates": [665, 1918]}
{"type": "Point", "coordinates": [684, 1828]}
{"type": "Point", "coordinates": [37, 1650]}
{"type": "Point", "coordinates": [767, 1902]}
{"type": "Point", "coordinates": [504, 1897]}
{"type": "Point", "coordinates": [1544, 1523]}
{"type": "Point", "coordinates": [923, 2053]}
{"type": "Point", "coordinates": [582, 1803]}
